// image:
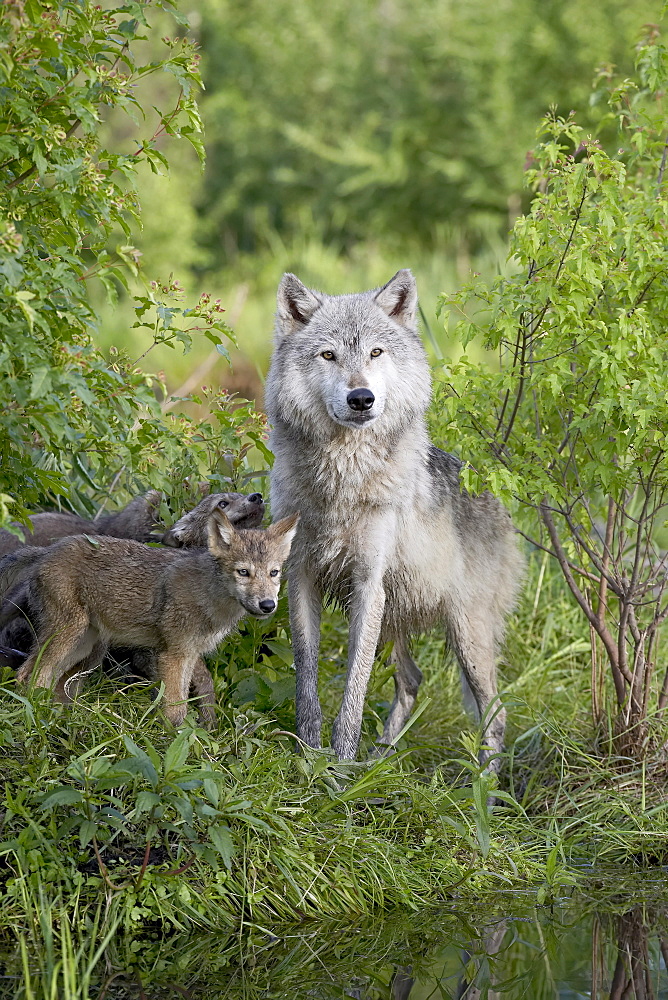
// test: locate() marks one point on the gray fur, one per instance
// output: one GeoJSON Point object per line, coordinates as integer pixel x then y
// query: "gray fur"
{"type": "Point", "coordinates": [180, 604]}
{"type": "Point", "coordinates": [191, 528]}
{"type": "Point", "coordinates": [385, 529]}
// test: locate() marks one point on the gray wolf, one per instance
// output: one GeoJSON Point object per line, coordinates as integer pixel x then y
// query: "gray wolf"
{"type": "Point", "coordinates": [91, 593]}
{"type": "Point", "coordinates": [136, 520]}
{"type": "Point", "coordinates": [386, 529]}
{"type": "Point", "coordinates": [191, 530]}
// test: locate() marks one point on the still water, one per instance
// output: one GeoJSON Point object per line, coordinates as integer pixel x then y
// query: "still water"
{"type": "Point", "coordinates": [613, 948]}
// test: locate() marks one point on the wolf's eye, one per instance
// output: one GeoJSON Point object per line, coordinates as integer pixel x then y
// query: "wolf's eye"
{"type": "Point", "coordinates": [224, 503]}
{"type": "Point", "coordinates": [376, 353]}
{"type": "Point", "coordinates": [273, 572]}
{"type": "Point", "coordinates": [328, 355]}
{"type": "Point", "coordinates": [243, 572]}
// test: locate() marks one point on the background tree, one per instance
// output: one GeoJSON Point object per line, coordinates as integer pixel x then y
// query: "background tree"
{"type": "Point", "coordinates": [345, 144]}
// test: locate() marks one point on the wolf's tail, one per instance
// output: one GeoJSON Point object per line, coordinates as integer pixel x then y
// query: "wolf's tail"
{"type": "Point", "coordinates": [17, 567]}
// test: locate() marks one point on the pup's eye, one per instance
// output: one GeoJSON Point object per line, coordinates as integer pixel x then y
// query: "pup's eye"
{"type": "Point", "coordinates": [328, 355]}
{"type": "Point", "coordinates": [224, 503]}
{"type": "Point", "coordinates": [273, 572]}
{"type": "Point", "coordinates": [243, 572]}
{"type": "Point", "coordinates": [376, 353]}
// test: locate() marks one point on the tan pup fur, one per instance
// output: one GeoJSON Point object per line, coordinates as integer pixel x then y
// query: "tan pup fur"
{"type": "Point", "coordinates": [191, 530]}
{"type": "Point", "coordinates": [179, 603]}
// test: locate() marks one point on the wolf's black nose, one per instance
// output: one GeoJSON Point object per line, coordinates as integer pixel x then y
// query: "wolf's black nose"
{"type": "Point", "coordinates": [255, 498]}
{"type": "Point", "coordinates": [267, 606]}
{"type": "Point", "coordinates": [361, 399]}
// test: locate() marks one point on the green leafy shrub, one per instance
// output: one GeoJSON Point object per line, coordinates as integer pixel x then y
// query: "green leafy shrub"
{"type": "Point", "coordinates": [571, 422]}
{"type": "Point", "coordinates": [72, 421]}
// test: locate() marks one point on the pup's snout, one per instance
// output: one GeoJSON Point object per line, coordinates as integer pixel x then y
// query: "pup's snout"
{"type": "Point", "coordinates": [255, 498]}
{"type": "Point", "coordinates": [267, 606]}
{"type": "Point", "coordinates": [360, 399]}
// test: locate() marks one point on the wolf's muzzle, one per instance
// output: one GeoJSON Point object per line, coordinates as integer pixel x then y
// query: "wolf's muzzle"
{"type": "Point", "coordinates": [360, 400]}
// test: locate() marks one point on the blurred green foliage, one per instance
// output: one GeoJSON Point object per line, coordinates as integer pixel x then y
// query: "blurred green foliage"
{"type": "Point", "coordinates": [386, 122]}
{"type": "Point", "coordinates": [570, 425]}
{"type": "Point", "coordinates": [346, 142]}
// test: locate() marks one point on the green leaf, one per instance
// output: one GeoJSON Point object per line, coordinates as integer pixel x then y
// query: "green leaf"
{"type": "Point", "coordinates": [63, 796]}
{"type": "Point", "coordinates": [87, 831]}
{"type": "Point", "coordinates": [177, 753]}
{"type": "Point", "coordinates": [221, 838]}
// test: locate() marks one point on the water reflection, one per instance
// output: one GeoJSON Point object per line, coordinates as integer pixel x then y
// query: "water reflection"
{"type": "Point", "coordinates": [571, 953]}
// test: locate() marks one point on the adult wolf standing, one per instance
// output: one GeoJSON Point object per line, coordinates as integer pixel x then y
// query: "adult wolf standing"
{"type": "Point", "coordinates": [385, 528]}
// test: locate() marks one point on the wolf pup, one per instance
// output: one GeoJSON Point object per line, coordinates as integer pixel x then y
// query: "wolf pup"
{"type": "Point", "coordinates": [385, 529]}
{"type": "Point", "coordinates": [180, 603]}
{"type": "Point", "coordinates": [135, 520]}
{"type": "Point", "coordinates": [190, 530]}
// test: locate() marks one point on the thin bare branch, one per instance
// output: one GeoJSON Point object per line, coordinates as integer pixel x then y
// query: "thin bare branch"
{"type": "Point", "coordinates": [602, 630]}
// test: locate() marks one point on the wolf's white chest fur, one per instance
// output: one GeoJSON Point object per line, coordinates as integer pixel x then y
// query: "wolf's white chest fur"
{"type": "Point", "coordinates": [395, 524]}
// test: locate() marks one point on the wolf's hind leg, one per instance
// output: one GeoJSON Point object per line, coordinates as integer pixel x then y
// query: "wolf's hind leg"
{"type": "Point", "coordinates": [407, 679]}
{"type": "Point", "coordinates": [473, 638]}
{"type": "Point", "coordinates": [305, 603]}
{"type": "Point", "coordinates": [70, 684]}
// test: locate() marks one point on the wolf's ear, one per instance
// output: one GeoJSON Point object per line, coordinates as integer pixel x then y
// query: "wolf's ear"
{"type": "Point", "coordinates": [398, 298]}
{"type": "Point", "coordinates": [284, 529]}
{"type": "Point", "coordinates": [220, 530]}
{"type": "Point", "coordinates": [295, 304]}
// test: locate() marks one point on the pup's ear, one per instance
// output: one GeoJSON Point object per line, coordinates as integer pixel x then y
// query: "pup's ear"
{"type": "Point", "coordinates": [295, 304]}
{"type": "Point", "coordinates": [284, 529]}
{"type": "Point", "coordinates": [220, 531]}
{"type": "Point", "coordinates": [398, 298]}
{"type": "Point", "coordinates": [153, 500]}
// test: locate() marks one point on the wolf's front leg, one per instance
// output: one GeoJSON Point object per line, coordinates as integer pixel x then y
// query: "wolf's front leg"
{"type": "Point", "coordinates": [201, 688]}
{"type": "Point", "coordinates": [175, 670]}
{"type": "Point", "coordinates": [366, 616]}
{"type": "Point", "coordinates": [305, 602]}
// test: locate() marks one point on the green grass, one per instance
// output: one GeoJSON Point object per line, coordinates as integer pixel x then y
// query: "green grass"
{"type": "Point", "coordinates": [116, 828]}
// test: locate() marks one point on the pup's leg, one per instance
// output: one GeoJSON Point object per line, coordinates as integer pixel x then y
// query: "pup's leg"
{"type": "Point", "coordinates": [305, 602]}
{"type": "Point", "coordinates": [407, 679]}
{"type": "Point", "coordinates": [201, 688]}
{"type": "Point", "coordinates": [63, 647]}
{"type": "Point", "coordinates": [366, 616]}
{"type": "Point", "coordinates": [175, 670]}
{"type": "Point", "coordinates": [70, 684]}
{"type": "Point", "coordinates": [472, 635]}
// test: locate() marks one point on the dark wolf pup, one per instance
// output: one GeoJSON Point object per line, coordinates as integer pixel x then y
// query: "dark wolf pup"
{"type": "Point", "coordinates": [136, 520]}
{"type": "Point", "coordinates": [385, 527]}
{"type": "Point", "coordinates": [181, 603]}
